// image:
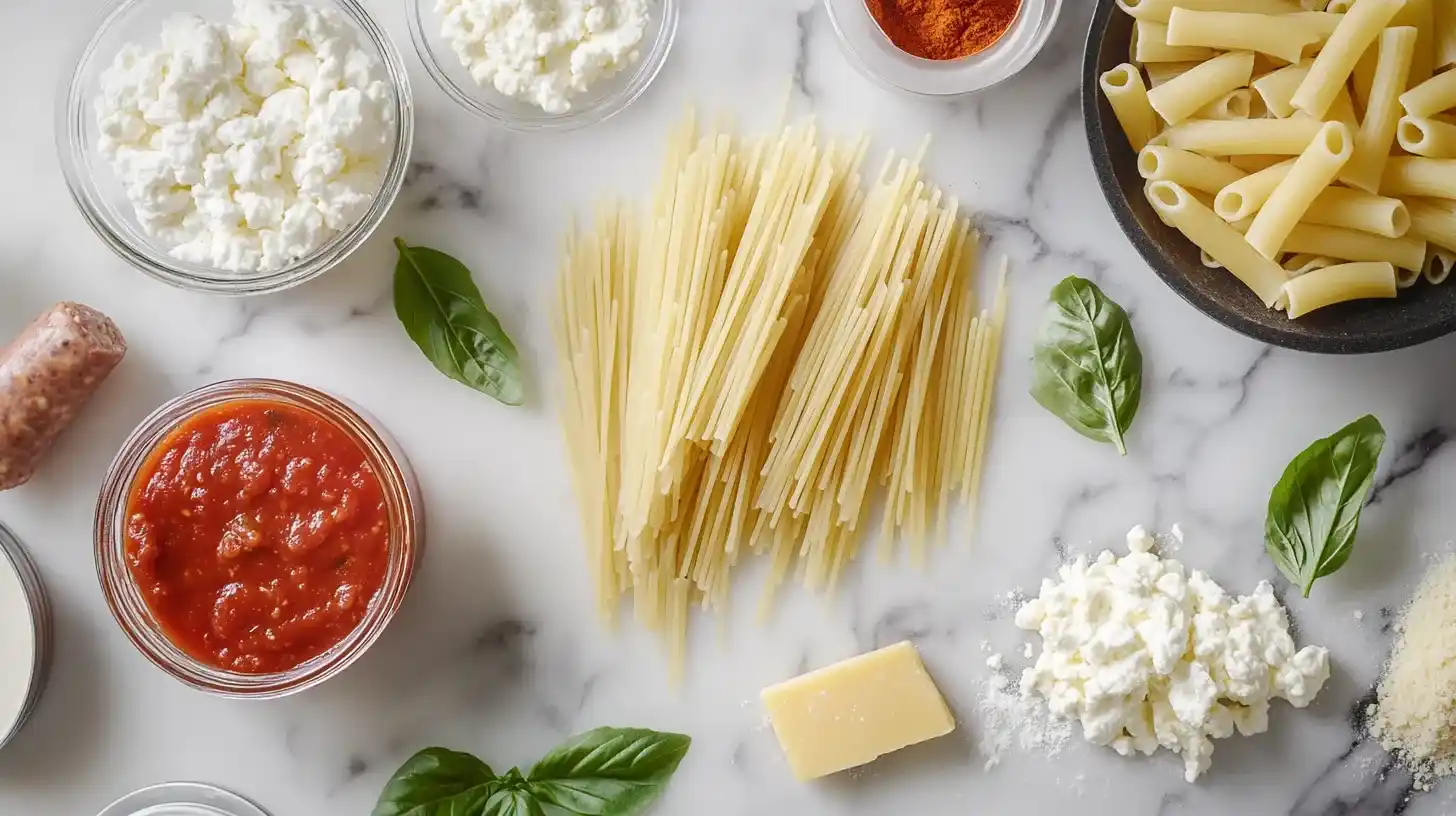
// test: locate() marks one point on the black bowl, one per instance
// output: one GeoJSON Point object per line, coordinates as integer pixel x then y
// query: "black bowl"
{"type": "Point", "coordinates": [1421, 313]}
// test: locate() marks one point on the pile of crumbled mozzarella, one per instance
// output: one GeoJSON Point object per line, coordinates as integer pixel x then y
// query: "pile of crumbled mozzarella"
{"type": "Point", "coordinates": [247, 146]}
{"type": "Point", "coordinates": [1146, 653]}
{"type": "Point", "coordinates": [544, 52]}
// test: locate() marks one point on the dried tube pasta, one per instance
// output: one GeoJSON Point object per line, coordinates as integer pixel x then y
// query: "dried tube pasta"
{"type": "Point", "coordinates": [1178, 99]}
{"type": "Point", "coordinates": [1160, 11]}
{"type": "Point", "coordinates": [1440, 263]}
{"type": "Point", "coordinates": [1160, 72]}
{"type": "Point", "coordinates": [1444, 45]}
{"type": "Point", "coordinates": [1282, 36]}
{"type": "Point", "coordinates": [1150, 44]}
{"type": "Point", "coordinates": [1407, 252]}
{"type": "Point", "coordinates": [1243, 198]}
{"type": "Point", "coordinates": [1311, 173]}
{"type": "Point", "coordinates": [1357, 30]}
{"type": "Point", "coordinates": [1236, 104]}
{"type": "Point", "coordinates": [1419, 176]}
{"type": "Point", "coordinates": [1433, 96]}
{"type": "Point", "coordinates": [1192, 171]}
{"type": "Point", "coordinates": [1277, 88]}
{"type": "Point", "coordinates": [1244, 137]}
{"type": "Point", "coordinates": [1302, 263]}
{"type": "Point", "coordinates": [1434, 220]}
{"type": "Point", "coordinates": [1420, 15]}
{"type": "Point", "coordinates": [1376, 134]}
{"type": "Point", "coordinates": [1214, 235]}
{"type": "Point", "coordinates": [1337, 284]}
{"type": "Point", "coordinates": [1357, 210]}
{"type": "Point", "coordinates": [1255, 163]}
{"type": "Point", "coordinates": [1123, 86]}
{"type": "Point", "coordinates": [1431, 138]}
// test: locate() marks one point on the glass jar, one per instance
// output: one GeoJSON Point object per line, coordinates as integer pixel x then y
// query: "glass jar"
{"type": "Point", "coordinates": [124, 596]}
{"type": "Point", "coordinates": [879, 59]}
{"type": "Point", "coordinates": [30, 642]}
{"type": "Point", "coordinates": [103, 202]}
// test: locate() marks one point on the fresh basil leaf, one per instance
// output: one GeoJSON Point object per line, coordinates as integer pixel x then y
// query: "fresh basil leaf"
{"type": "Point", "coordinates": [513, 802]}
{"type": "Point", "coordinates": [438, 782]}
{"type": "Point", "coordinates": [1088, 368]}
{"type": "Point", "coordinates": [1314, 510]}
{"type": "Point", "coordinates": [444, 314]}
{"type": "Point", "coordinates": [608, 771]}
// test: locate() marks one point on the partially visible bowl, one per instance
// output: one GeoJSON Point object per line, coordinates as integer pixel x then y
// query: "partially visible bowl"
{"type": "Point", "coordinates": [1421, 312]}
{"type": "Point", "coordinates": [104, 204]}
{"type": "Point", "coordinates": [608, 98]}
{"type": "Point", "coordinates": [872, 53]}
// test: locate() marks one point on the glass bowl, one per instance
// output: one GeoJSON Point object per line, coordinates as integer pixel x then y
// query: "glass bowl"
{"type": "Point", "coordinates": [102, 201]}
{"type": "Point", "coordinates": [605, 100]}
{"type": "Point", "coordinates": [406, 538]}
{"type": "Point", "coordinates": [882, 61]}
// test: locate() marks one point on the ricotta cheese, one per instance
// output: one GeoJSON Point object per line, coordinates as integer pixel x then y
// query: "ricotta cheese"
{"type": "Point", "coordinates": [544, 52]}
{"type": "Point", "coordinates": [1146, 653]}
{"type": "Point", "coordinates": [248, 145]}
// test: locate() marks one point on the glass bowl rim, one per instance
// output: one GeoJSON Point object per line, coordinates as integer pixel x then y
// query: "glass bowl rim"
{"type": "Point", "coordinates": [129, 608]}
{"type": "Point", "coordinates": [73, 105]}
{"type": "Point", "coordinates": [643, 74]}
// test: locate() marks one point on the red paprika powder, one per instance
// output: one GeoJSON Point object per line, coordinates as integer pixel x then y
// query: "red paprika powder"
{"type": "Point", "coordinates": [944, 29]}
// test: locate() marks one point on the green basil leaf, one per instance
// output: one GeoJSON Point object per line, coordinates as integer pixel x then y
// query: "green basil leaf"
{"type": "Point", "coordinates": [444, 314]}
{"type": "Point", "coordinates": [1314, 510]}
{"type": "Point", "coordinates": [438, 782]}
{"type": "Point", "coordinates": [1088, 368]}
{"type": "Point", "coordinates": [608, 771]}
{"type": "Point", "coordinates": [513, 802]}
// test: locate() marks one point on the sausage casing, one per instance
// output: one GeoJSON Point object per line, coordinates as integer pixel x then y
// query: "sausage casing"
{"type": "Point", "coordinates": [46, 375]}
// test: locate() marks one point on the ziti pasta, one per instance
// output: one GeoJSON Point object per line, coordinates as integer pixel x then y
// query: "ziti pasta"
{"type": "Point", "coordinates": [1304, 141]}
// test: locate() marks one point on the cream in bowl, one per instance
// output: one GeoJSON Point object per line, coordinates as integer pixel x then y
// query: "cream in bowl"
{"type": "Point", "coordinates": [256, 142]}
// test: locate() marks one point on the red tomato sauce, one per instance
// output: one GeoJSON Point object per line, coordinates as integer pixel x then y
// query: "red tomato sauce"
{"type": "Point", "coordinates": [258, 534]}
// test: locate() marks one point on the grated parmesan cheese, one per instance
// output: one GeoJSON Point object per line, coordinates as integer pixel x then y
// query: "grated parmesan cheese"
{"type": "Point", "coordinates": [1415, 717]}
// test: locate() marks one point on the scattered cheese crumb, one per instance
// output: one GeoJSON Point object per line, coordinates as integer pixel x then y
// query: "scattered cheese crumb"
{"type": "Point", "coordinates": [1028, 651]}
{"type": "Point", "coordinates": [1415, 717]}
{"type": "Point", "coordinates": [995, 661]}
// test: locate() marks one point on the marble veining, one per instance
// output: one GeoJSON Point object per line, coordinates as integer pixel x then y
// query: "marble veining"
{"type": "Point", "coordinates": [498, 649]}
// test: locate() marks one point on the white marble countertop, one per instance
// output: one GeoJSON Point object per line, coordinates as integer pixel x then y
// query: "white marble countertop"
{"type": "Point", "coordinates": [498, 649]}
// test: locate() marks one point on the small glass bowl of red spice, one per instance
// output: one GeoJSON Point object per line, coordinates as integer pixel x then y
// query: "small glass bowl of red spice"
{"type": "Point", "coordinates": [942, 48]}
{"type": "Point", "coordinates": [255, 537]}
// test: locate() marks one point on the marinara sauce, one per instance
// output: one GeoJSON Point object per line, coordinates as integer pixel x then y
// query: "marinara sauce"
{"type": "Point", "coordinates": [258, 534]}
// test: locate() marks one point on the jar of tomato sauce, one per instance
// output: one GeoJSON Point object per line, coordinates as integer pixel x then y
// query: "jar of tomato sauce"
{"type": "Point", "coordinates": [255, 537]}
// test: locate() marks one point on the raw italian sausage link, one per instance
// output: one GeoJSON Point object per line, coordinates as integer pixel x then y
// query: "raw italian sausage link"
{"type": "Point", "coordinates": [46, 375]}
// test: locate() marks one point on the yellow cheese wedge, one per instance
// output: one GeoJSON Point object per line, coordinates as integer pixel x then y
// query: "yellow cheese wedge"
{"type": "Point", "coordinates": [852, 712]}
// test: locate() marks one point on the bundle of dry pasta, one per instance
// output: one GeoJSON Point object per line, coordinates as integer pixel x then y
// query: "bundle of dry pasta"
{"type": "Point", "coordinates": [742, 363]}
{"type": "Point", "coordinates": [1309, 149]}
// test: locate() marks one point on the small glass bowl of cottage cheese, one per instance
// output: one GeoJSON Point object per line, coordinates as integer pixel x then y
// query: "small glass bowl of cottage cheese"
{"type": "Point", "coordinates": [543, 64]}
{"type": "Point", "coordinates": [235, 147]}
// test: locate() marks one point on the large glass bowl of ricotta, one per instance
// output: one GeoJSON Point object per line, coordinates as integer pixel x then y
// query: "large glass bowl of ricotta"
{"type": "Point", "coordinates": [102, 198]}
{"type": "Point", "coordinates": [609, 94]}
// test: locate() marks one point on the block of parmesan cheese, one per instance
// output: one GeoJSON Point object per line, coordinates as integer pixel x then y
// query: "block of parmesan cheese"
{"type": "Point", "coordinates": [852, 712]}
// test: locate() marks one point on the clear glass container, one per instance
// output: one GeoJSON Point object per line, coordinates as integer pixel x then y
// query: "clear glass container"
{"type": "Point", "coordinates": [17, 560]}
{"type": "Point", "coordinates": [102, 201]}
{"type": "Point", "coordinates": [879, 59]}
{"type": "Point", "coordinates": [406, 538]}
{"type": "Point", "coordinates": [605, 100]}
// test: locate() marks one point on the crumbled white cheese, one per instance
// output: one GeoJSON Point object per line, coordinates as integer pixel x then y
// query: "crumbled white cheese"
{"type": "Point", "coordinates": [995, 662]}
{"type": "Point", "coordinates": [245, 146]}
{"type": "Point", "coordinates": [544, 52]}
{"type": "Point", "coordinates": [1028, 651]}
{"type": "Point", "coordinates": [1144, 652]}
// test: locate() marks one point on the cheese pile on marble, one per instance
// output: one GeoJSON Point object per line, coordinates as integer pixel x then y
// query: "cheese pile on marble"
{"type": "Point", "coordinates": [1415, 716]}
{"type": "Point", "coordinates": [1146, 653]}
{"type": "Point", "coordinates": [248, 145]}
{"type": "Point", "coordinates": [544, 52]}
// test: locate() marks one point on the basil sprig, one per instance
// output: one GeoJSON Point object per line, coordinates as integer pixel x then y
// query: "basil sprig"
{"type": "Point", "coordinates": [1088, 368]}
{"type": "Point", "coordinates": [1314, 510]}
{"type": "Point", "coordinates": [603, 772]}
{"type": "Point", "coordinates": [444, 314]}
